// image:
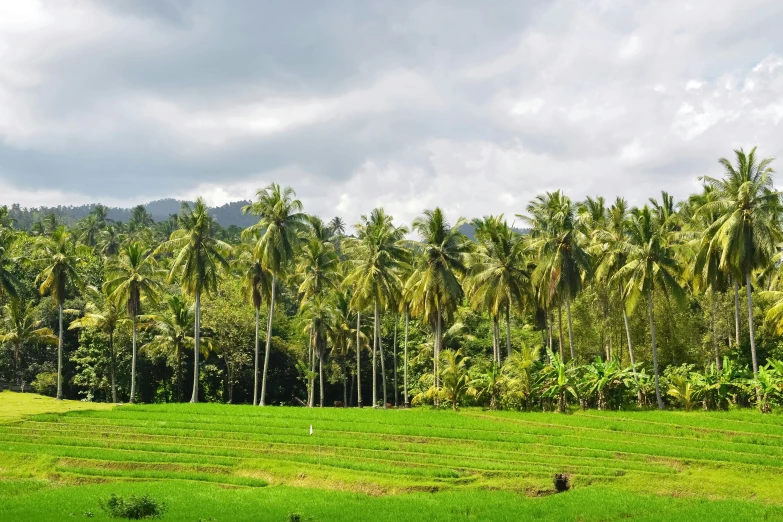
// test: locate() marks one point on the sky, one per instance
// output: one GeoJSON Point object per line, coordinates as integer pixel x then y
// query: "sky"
{"type": "Point", "coordinates": [475, 107]}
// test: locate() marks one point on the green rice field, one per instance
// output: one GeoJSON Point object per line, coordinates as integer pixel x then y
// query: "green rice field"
{"type": "Point", "coordinates": [221, 462]}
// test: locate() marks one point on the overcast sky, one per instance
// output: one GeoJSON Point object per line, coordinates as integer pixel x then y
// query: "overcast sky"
{"type": "Point", "coordinates": [472, 106]}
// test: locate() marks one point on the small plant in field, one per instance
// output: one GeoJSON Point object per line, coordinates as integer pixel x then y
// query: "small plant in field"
{"type": "Point", "coordinates": [133, 507]}
{"type": "Point", "coordinates": [294, 517]}
{"type": "Point", "coordinates": [562, 482]}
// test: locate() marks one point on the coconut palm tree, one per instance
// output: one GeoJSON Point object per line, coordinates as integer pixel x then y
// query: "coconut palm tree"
{"type": "Point", "coordinates": [257, 285]}
{"type": "Point", "coordinates": [377, 254]}
{"type": "Point", "coordinates": [103, 313]}
{"type": "Point", "coordinates": [198, 261]}
{"type": "Point", "coordinates": [277, 236]}
{"type": "Point", "coordinates": [434, 285]}
{"type": "Point", "coordinates": [610, 249]}
{"type": "Point", "coordinates": [21, 327]}
{"type": "Point", "coordinates": [499, 275]}
{"type": "Point", "coordinates": [129, 278]}
{"type": "Point", "coordinates": [342, 332]}
{"type": "Point", "coordinates": [8, 281]}
{"type": "Point", "coordinates": [61, 260]}
{"type": "Point", "coordinates": [174, 329]}
{"type": "Point", "coordinates": [748, 227]}
{"type": "Point", "coordinates": [651, 265]}
{"type": "Point", "coordinates": [563, 262]}
{"type": "Point", "coordinates": [318, 264]}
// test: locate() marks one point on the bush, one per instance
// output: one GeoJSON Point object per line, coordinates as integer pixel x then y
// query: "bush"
{"type": "Point", "coordinates": [45, 383]}
{"type": "Point", "coordinates": [133, 508]}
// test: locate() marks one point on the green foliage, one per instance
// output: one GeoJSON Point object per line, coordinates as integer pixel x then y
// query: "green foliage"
{"type": "Point", "coordinates": [45, 383]}
{"type": "Point", "coordinates": [134, 507]}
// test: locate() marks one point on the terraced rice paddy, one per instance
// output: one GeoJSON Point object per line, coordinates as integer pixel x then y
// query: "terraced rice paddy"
{"type": "Point", "coordinates": [480, 465]}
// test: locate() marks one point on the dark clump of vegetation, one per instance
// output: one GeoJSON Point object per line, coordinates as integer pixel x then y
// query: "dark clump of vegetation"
{"type": "Point", "coordinates": [562, 482]}
{"type": "Point", "coordinates": [133, 507]}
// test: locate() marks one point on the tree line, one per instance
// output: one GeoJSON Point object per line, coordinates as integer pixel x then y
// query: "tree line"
{"type": "Point", "coordinates": [598, 303]}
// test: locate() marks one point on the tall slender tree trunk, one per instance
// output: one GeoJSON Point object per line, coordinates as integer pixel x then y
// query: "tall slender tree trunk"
{"type": "Point", "coordinates": [113, 368]}
{"type": "Point", "coordinates": [133, 365]}
{"type": "Point", "coordinates": [179, 375]}
{"type": "Point", "coordinates": [751, 329]}
{"type": "Point", "coordinates": [321, 353]}
{"type": "Point", "coordinates": [262, 402]}
{"type": "Point", "coordinates": [437, 350]}
{"type": "Point", "coordinates": [560, 328]}
{"type": "Point", "coordinates": [60, 355]}
{"type": "Point", "coordinates": [628, 338]}
{"type": "Point", "coordinates": [358, 360]}
{"type": "Point", "coordinates": [495, 339]}
{"type": "Point", "coordinates": [311, 377]}
{"type": "Point", "coordinates": [654, 351]}
{"type": "Point", "coordinates": [508, 332]}
{"type": "Point", "coordinates": [345, 377]}
{"type": "Point", "coordinates": [736, 313]}
{"type": "Point", "coordinates": [712, 329]}
{"type": "Point", "coordinates": [570, 328]}
{"type": "Point", "coordinates": [405, 367]}
{"type": "Point", "coordinates": [396, 389]}
{"type": "Point", "coordinates": [380, 355]}
{"type": "Point", "coordinates": [17, 349]}
{"type": "Point", "coordinates": [196, 347]}
{"type": "Point", "coordinates": [374, 356]}
{"type": "Point", "coordinates": [255, 365]}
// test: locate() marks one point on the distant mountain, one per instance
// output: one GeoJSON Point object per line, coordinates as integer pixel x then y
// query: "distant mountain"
{"type": "Point", "coordinates": [160, 210]}
{"type": "Point", "coordinates": [470, 231]}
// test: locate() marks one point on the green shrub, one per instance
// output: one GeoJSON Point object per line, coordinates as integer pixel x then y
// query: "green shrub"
{"type": "Point", "coordinates": [133, 507]}
{"type": "Point", "coordinates": [45, 383]}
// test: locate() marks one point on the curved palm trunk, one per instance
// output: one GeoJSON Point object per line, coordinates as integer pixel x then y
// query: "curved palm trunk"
{"type": "Point", "coordinates": [405, 362]}
{"type": "Point", "coordinates": [358, 360]}
{"type": "Point", "coordinates": [112, 369]}
{"type": "Point", "coordinates": [396, 393]}
{"type": "Point", "coordinates": [628, 335]}
{"type": "Point", "coordinates": [751, 329]}
{"type": "Point", "coordinates": [508, 333]}
{"type": "Point", "coordinates": [60, 355]}
{"type": "Point", "coordinates": [570, 328]}
{"type": "Point", "coordinates": [197, 338]}
{"type": "Point", "coordinates": [380, 355]}
{"type": "Point", "coordinates": [133, 365]}
{"type": "Point", "coordinates": [736, 313]}
{"type": "Point", "coordinates": [255, 367]}
{"type": "Point", "coordinates": [654, 351]}
{"type": "Point", "coordinates": [374, 357]}
{"type": "Point", "coordinates": [268, 341]}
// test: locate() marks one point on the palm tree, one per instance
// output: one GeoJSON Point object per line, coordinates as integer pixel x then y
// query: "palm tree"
{"type": "Point", "coordinates": [319, 318]}
{"type": "Point", "coordinates": [377, 254]}
{"type": "Point", "coordinates": [103, 313]}
{"type": "Point", "coordinates": [499, 276]}
{"type": "Point", "coordinates": [174, 335]}
{"type": "Point", "coordinates": [61, 259]}
{"type": "Point", "coordinates": [651, 264]}
{"type": "Point", "coordinates": [21, 327]}
{"type": "Point", "coordinates": [454, 375]}
{"type": "Point", "coordinates": [256, 284]}
{"type": "Point", "coordinates": [610, 244]}
{"type": "Point", "coordinates": [342, 333]}
{"type": "Point", "coordinates": [563, 262]}
{"type": "Point", "coordinates": [317, 266]}
{"type": "Point", "coordinates": [199, 259]}
{"type": "Point", "coordinates": [434, 285]}
{"type": "Point", "coordinates": [277, 238]}
{"type": "Point", "coordinates": [8, 281]}
{"type": "Point", "coordinates": [748, 228]}
{"type": "Point", "coordinates": [128, 278]}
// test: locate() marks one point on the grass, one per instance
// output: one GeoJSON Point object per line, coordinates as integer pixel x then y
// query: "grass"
{"type": "Point", "coordinates": [250, 463]}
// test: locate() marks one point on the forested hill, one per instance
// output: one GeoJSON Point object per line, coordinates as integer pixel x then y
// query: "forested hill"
{"type": "Point", "coordinates": [160, 210]}
{"type": "Point", "coordinates": [227, 215]}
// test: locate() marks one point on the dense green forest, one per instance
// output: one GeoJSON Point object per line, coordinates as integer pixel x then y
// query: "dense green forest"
{"type": "Point", "coordinates": [597, 304]}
